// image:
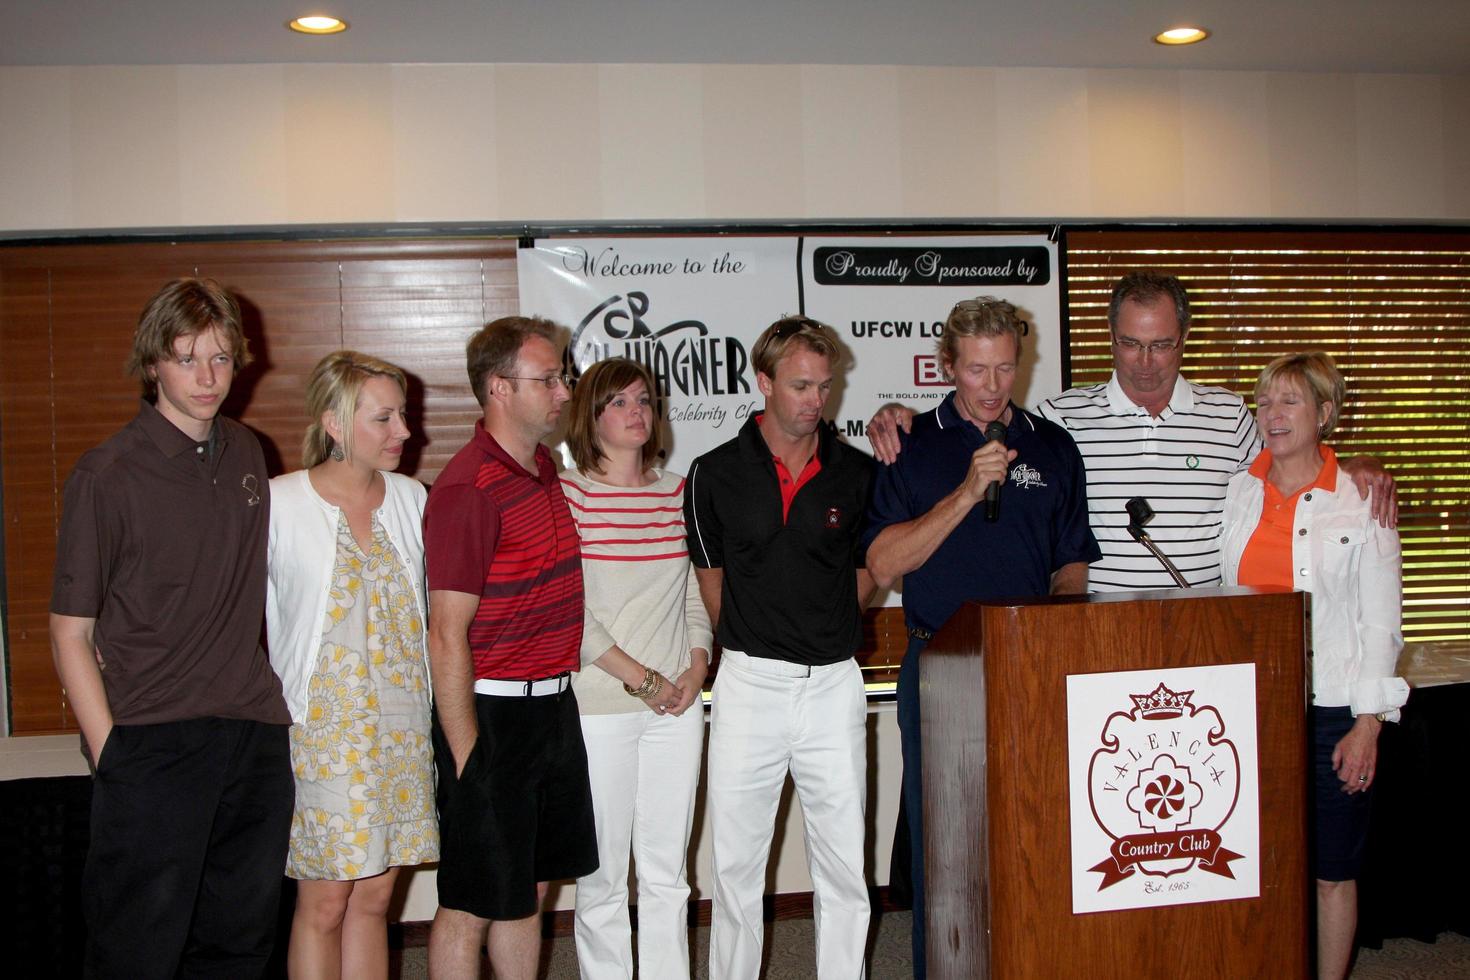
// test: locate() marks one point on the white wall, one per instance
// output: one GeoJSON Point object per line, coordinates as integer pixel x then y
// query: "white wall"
{"type": "Point", "coordinates": [211, 146]}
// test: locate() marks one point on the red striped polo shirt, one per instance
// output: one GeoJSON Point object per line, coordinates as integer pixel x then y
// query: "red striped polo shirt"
{"type": "Point", "coordinates": [494, 530]}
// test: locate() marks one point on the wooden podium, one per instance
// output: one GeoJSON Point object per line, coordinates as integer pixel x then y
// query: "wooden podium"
{"type": "Point", "coordinates": [998, 862]}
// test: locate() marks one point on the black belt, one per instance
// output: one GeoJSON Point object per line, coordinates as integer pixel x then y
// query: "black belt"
{"type": "Point", "coordinates": [921, 634]}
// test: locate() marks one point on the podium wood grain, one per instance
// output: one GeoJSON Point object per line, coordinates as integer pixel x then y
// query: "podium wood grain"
{"type": "Point", "coordinates": [997, 839]}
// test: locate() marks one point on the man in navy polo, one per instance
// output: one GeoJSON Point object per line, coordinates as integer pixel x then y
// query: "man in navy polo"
{"type": "Point", "coordinates": [928, 521]}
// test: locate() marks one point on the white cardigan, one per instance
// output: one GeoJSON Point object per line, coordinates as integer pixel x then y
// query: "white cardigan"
{"type": "Point", "coordinates": [302, 553]}
{"type": "Point", "coordinates": [1351, 565]}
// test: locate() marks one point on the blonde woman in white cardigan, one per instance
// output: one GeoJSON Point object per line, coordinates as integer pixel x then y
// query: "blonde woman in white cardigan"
{"type": "Point", "coordinates": [1295, 519]}
{"type": "Point", "coordinates": [645, 651]}
{"type": "Point", "coordinates": [346, 620]}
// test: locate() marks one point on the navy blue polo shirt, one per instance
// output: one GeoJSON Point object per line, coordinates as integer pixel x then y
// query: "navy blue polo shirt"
{"type": "Point", "coordinates": [790, 586]}
{"type": "Point", "coordinates": [1043, 512]}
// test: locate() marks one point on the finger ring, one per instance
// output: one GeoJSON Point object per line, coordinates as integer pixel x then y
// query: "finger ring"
{"type": "Point", "coordinates": [1362, 779]}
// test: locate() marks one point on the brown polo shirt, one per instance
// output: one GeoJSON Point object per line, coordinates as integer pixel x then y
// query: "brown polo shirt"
{"type": "Point", "coordinates": [163, 543]}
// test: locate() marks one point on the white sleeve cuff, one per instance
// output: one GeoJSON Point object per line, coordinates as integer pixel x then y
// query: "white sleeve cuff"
{"type": "Point", "coordinates": [1384, 695]}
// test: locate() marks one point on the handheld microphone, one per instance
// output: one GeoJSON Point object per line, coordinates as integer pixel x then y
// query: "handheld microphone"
{"type": "Point", "coordinates": [995, 431]}
{"type": "Point", "coordinates": [1139, 514]}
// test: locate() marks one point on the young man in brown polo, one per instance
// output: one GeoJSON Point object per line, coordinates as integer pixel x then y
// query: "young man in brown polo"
{"type": "Point", "coordinates": [156, 610]}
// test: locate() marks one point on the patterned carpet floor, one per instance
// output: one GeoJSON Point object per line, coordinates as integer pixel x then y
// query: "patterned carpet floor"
{"type": "Point", "coordinates": [789, 955]}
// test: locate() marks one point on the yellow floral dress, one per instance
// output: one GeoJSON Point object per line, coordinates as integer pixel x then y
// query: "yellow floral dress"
{"type": "Point", "coordinates": [362, 758]}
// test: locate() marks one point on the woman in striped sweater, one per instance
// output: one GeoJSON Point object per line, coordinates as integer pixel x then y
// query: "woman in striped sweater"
{"type": "Point", "coordinates": [645, 652]}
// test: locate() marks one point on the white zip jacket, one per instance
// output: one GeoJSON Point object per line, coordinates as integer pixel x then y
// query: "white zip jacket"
{"type": "Point", "coordinates": [302, 552]}
{"type": "Point", "coordinates": [1351, 565]}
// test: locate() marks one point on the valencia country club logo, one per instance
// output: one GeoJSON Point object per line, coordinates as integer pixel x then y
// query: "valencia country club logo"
{"type": "Point", "coordinates": [1164, 783]}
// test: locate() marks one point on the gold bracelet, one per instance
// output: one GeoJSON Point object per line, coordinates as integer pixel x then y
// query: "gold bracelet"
{"type": "Point", "coordinates": [649, 685]}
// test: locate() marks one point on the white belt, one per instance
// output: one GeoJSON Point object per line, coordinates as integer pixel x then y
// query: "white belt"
{"type": "Point", "coordinates": [772, 667]}
{"type": "Point", "coordinates": [523, 689]}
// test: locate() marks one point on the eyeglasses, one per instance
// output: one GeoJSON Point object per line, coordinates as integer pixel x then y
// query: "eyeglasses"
{"type": "Point", "coordinates": [1158, 348]}
{"type": "Point", "coordinates": [550, 381]}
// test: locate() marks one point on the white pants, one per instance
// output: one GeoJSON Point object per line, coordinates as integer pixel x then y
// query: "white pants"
{"type": "Point", "coordinates": [644, 769]}
{"type": "Point", "coordinates": [770, 716]}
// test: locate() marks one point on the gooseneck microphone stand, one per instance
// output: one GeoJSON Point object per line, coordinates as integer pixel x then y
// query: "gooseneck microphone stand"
{"type": "Point", "coordinates": [1139, 514]}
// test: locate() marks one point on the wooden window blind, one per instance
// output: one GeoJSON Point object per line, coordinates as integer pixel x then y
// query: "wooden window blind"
{"type": "Point", "coordinates": [67, 315]}
{"type": "Point", "coordinates": [1391, 308]}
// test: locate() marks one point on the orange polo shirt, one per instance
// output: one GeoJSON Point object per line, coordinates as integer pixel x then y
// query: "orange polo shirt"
{"type": "Point", "coordinates": [1267, 556]}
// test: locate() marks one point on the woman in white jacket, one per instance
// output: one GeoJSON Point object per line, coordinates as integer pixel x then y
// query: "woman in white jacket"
{"type": "Point", "coordinates": [1294, 519]}
{"type": "Point", "coordinates": [346, 621]}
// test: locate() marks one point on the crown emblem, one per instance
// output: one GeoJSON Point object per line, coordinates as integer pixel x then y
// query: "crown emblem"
{"type": "Point", "coordinates": [1162, 703]}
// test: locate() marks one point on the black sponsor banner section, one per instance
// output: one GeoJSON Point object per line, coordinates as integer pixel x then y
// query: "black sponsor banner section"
{"type": "Point", "coordinates": [887, 265]}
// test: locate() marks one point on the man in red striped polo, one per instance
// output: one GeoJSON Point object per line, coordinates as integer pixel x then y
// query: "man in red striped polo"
{"type": "Point", "coordinates": [505, 632]}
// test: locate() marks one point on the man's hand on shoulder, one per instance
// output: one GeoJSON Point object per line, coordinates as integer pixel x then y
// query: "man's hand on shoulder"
{"type": "Point", "coordinates": [1375, 484]}
{"type": "Point", "coordinates": [883, 431]}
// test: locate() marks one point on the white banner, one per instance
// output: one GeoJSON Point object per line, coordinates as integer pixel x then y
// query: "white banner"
{"type": "Point", "coordinates": [690, 309]}
{"type": "Point", "coordinates": [1164, 787]}
{"type": "Point", "coordinates": [888, 298]}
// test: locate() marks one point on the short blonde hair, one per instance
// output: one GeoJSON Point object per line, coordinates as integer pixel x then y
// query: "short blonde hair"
{"type": "Point", "coordinates": [776, 340]}
{"type": "Point", "coordinates": [595, 389]}
{"type": "Point", "coordinates": [1315, 374]}
{"type": "Point", "coordinates": [335, 384]}
{"type": "Point", "coordinates": [983, 316]}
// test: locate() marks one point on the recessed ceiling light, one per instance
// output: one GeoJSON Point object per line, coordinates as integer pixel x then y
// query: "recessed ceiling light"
{"type": "Point", "coordinates": [317, 24]}
{"type": "Point", "coordinates": [1182, 35]}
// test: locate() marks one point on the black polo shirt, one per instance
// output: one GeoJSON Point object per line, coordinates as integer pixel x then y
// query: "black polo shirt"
{"type": "Point", "coordinates": [790, 590]}
{"type": "Point", "coordinates": [163, 543]}
{"type": "Point", "coordinates": [1043, 512]}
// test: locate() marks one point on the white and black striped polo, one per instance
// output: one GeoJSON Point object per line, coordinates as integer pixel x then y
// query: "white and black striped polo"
{"type": "Point", "coordinates": [1180, 462]}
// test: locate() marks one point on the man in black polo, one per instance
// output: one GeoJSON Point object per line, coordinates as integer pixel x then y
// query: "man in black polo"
{"type": "Point", "coordinates": [156, 610]}
{"type": "Point", "coordinates": [774, 518]}
{"type": "Point", "coordinates": [931, 524]}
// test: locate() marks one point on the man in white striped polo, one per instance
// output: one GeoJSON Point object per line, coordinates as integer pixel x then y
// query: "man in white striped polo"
{"type": "Point", "coordinates": [1148, 432]}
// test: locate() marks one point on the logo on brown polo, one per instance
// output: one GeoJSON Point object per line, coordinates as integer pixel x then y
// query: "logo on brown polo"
{"type": "Point", "coordinates": [1163, 784]}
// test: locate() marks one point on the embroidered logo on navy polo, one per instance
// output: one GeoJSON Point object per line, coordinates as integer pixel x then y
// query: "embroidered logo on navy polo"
{"type": "Point", "coordinates": [834, 517]}
{"type": "Point", "coordinates": [1026, 477]}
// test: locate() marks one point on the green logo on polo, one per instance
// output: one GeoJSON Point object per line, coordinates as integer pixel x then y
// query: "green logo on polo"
{"type": "Point", "coordinates": [1192, 462]}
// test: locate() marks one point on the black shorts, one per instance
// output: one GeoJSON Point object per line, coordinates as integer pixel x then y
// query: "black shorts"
{"type": "Point", "coordinates": [520, 813]}
{"type": "Point", "coordinates": [1340, 820]}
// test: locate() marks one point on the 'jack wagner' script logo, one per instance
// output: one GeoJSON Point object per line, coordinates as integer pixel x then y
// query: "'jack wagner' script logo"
{"type": "Point", "coordinates": [682, 356]}
{"type": "Point", "coordinates": [1022, 265]}
{"type": "Point", "coordinates": [1026, 476]}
